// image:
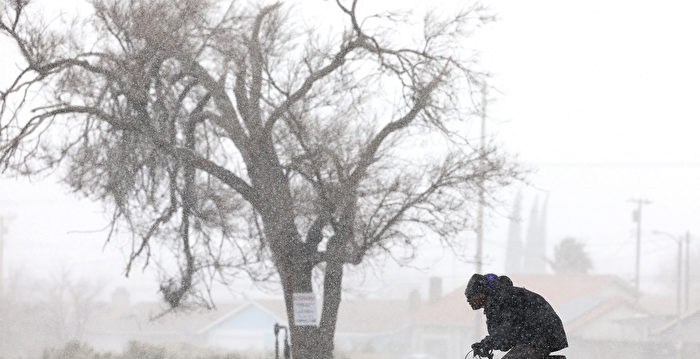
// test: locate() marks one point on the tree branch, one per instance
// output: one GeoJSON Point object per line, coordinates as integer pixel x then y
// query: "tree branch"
{"type": "Point", "coordinates": [257, 67]}
{"type": "Point", "coordinates": [338, 61]}
{"type": "Point", "coordinates": [229, 121]}
{"type": "Point", "coordinates": [235, 182]}
{"type": "Point", "coordinates": [422, 99]}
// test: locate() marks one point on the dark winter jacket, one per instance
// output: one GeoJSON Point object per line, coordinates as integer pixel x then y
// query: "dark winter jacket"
{"type": "Point", "coordinates": [518, 316]}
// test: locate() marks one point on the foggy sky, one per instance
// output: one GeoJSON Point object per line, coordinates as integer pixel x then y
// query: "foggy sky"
{"type": "Point", "coordinates": [598, 98]}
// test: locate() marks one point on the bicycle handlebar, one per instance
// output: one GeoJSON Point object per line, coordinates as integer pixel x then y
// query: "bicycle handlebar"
{"type": "Point", "coordinates": [489, 355]}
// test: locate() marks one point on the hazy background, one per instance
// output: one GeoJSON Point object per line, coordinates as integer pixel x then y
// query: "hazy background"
{"type": "Point", "coordinates": [597, 98]}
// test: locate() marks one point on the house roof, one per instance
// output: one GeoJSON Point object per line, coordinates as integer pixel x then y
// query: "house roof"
{"type": "Point", "coordinates": [560, 289]}
{"type": "Point", "coordinates": [265, 309]}
{"type": "Point", "coordinates": [276, 307]}
{"type": "Point", "coordinates": [693, 314]}
{"type": "Point", "coordinates": [577, 307]}
{"type": "Point", "coordinates": [450, 309]}
{"type": "Point", "coordinates": [595, 311]}
{"type": "Point", "coordinates": [576, 298]}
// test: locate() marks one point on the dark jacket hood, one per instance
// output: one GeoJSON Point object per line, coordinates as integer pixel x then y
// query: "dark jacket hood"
{"type": "Point", "coordinates": [486, 284]}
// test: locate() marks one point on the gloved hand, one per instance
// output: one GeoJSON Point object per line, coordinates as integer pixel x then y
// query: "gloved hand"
{"type": "Point", "coordinates": [481, 349]}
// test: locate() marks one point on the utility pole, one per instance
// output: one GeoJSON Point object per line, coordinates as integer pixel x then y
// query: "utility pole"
{"type": "Point", "coordinates": [679, 281]}
{"type": "Point", "coordinates": [480, 211]}
{"type": "Point", "coordinates": [637, 217]}
{"type": "Point", "coordinates": [2, 254]}
{"type": "Point", "coordinates": [3, 324]}
{"type": "Point", "coordinates": [679, 331]}
{"type": "Point", "coordinates": [687, 270]}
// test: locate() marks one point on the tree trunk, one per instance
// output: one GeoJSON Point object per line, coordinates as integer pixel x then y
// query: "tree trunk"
{"type": "Point", "coordinates": [294, 262]}
{"type": "Point", "coordinates": [312, 342]}
{"type": "Point", "coordinates": [296, 278]}
{"type": "Point", "coordinates": [332, 289]}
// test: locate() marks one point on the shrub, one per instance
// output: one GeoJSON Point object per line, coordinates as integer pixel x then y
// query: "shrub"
{"type": "Point", "coordinates": [73, 350]}
{"type": "Point", "coordinates": [138, 350]}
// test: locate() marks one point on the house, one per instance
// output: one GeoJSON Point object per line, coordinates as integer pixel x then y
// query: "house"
{"type": "Point", "coordinates": [362, 325]}
{"type": "Point", "coordinates": [593, 308]}
{"type": "Point", "coordinates": [249, 326]}
{"type": "Point", "coordinates": [232, 326]}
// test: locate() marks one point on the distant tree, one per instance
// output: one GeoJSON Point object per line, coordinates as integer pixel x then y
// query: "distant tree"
{"type": "Point", "coordinates": [68, 304]}
{"type": "Point", "coordinates": [236, 137]}
{"type": "Point", "coordinates": [37, 314]}
{"type": "Point", "coordinates": [570, 257]}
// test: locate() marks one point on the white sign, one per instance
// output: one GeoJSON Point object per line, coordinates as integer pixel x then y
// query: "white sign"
{"type": "Point", "coordinates": [304, 309]}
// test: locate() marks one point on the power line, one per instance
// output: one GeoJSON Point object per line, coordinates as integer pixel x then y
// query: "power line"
{"type": "Point", "coordinates": [617, 165]}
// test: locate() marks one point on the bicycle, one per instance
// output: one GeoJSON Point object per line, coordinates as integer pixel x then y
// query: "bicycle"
{"type": "Point", "coordinates": [489, 355]}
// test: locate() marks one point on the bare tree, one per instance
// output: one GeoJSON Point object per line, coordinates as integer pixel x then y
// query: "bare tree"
{"type": "Point", "coordinates": [237, 137]}
{"type": "Point", "coordinates": [38, 313]}
{"type": "Point", "coordinates": [67, 306]}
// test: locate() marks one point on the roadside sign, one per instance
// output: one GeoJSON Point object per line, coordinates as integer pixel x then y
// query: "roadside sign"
{"type": "Point", "coordinates": [304, 309]}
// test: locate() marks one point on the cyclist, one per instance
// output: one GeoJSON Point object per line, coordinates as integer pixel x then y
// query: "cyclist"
{"type": "Point", "coordinates": [518, 321]}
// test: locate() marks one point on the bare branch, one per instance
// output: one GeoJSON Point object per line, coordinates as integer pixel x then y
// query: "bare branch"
{"type": "Point", "coordinates": [321, 73]}
{"type": "Point", "coordinates": [257, 66]}
{"type": "Point", "coordinates": [422, 99]}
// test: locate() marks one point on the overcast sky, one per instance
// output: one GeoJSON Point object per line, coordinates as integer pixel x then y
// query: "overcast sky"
{"type": "Point", "coordinates": [599, 98]}
{"type": "Point", "coordinates": [607, 90]}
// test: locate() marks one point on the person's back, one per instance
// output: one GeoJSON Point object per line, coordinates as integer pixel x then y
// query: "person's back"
{"type": "Point", "coordinates": [518, 320]}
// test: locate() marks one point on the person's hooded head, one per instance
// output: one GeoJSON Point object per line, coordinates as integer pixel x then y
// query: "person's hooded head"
{"type": "Point", "coordinates": [480, 287]}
